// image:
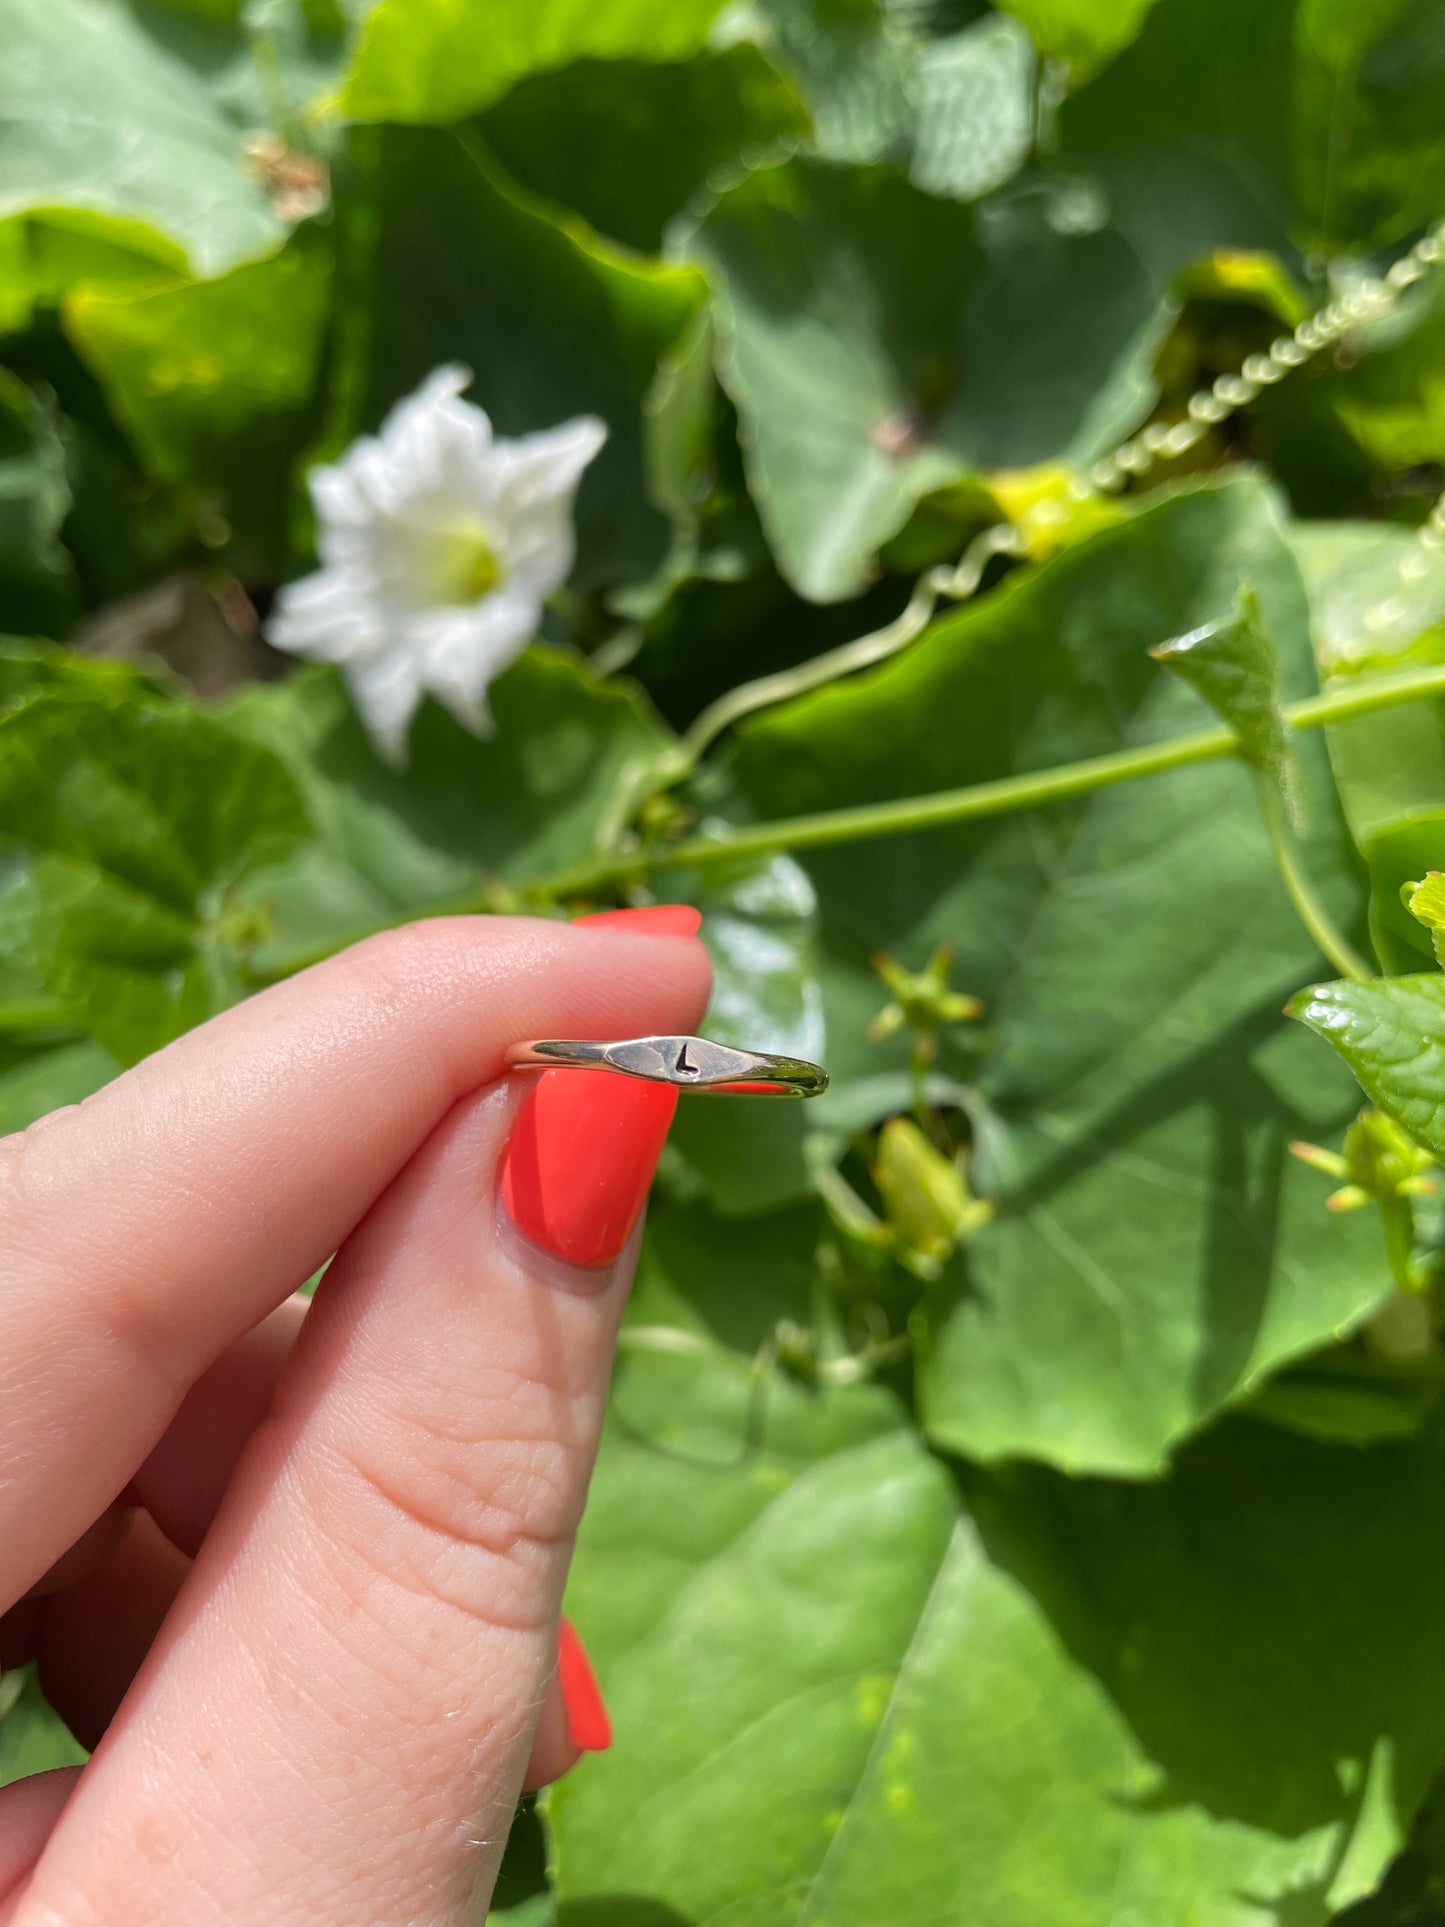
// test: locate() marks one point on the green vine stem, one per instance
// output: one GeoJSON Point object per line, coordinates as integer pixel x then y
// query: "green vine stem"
{"type": "Point", "coordinates": [1332, 943]}
{"type": "Point", "coordinates": [956, 582]}
{"type": "Point", "coordinates": [828, 828]}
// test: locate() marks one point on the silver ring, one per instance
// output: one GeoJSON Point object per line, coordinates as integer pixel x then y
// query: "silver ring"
{"type": "Point", "coordinates": [689, 1063]}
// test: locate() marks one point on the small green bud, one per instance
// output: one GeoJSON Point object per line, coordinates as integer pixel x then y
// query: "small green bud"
{"type": "Point", "coordinates": [922, 1001]}
{"type": "Point", "coordinates": [925, 1194]}
{"type": "Point", "coordinates": [1382, 1163]}
{"type": "Point", "coordinates": [1384, 1159]}
{"type": "Point", "coordinates": [1426, 903]}
{"type": "Point", "coordinates": [1379, 1160]}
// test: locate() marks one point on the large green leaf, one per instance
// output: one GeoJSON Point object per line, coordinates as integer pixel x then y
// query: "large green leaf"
{"type": "Point", "coordinates": [435, 60]}
{"type": "Point", "coordinates": [892, 80]}
{"type": "Point", "coordinates": [511, 809]}
{"type": "Point", "coordinates": [843, 1695]}
{"type": "Point", "coordinates": [627, 143]}
{"type": "Point", "coordinates": [1156, 1249]}
{"type": "Point", "coordinates": [1082, 33]}
{"type": "Point", "coordinates": [40, 1080]}
{"type": "Point", "coordinates": [1392, 396]}
{"type": "Point", "coordinates": [37, 586]}
{"type": "Point", "coordinates": [1228, 125]}
{"type": "Point", "coordinates": [552, 322]}
{"type": "Point", "coordinates": [839, 298]}
{"type": "Point", "coordinates": [214, 395]}
{"type": "Point", "coordinates": [32, 1738]}
{"type": "Point", "coordinates": [126, 829]}
{"type": "Point", "coordinates": [1367, 96]}
{"type": "Point", "coordinates": [854, 61]}
{"type": "Point", "coordinates": [973, 123]}
{"type": "Point", "coordinates": [1370, 619]}
{"type": "Point", "coordinates": [41, 261]}
{"type": "Point", "coordinates": [875, 350]}
{"type": "Point", "coordinates": [108, 111]}
{"type": "Point", "coordinates": [1188, 130]}
{"type": "Point", "coordinates": [759, 922]}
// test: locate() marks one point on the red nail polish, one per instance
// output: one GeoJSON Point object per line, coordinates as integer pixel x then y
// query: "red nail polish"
{"type": "Point", "coordinates": [583, 1150]}
{"type": "Point", "coordinates": [582, 1696]}
{"type": "Point", "coordinates": [654, 920]}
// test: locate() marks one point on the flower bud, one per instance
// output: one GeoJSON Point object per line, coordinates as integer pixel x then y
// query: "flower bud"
{"type": "Point", "coordinates": [925, 1194]}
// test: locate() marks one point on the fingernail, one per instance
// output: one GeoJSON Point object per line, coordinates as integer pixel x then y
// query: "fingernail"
{"type": "Point", "coordinates": [655, 920]}
{"type": "Point", "coordinates": [586, 1709]}
{"type": "Point", "coordinates": [582, 1153]}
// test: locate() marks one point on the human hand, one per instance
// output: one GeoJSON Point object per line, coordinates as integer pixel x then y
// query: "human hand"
{"type": "Point", "coordinates": [319, 1575]}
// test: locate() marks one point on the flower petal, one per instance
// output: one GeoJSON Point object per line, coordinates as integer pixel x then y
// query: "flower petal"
{"type": "Point", "coordinates": [463, 651]}
{"type": "Point", "coordinates": [386, 690]}
{"type": "Point", "coordinates": [537, 485]}
{"type": "Point", "coordinates": [329, 618]}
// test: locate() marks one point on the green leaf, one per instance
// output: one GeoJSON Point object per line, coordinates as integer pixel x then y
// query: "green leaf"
{"type": "Point", "coordinates": [1156, 1250]}
{"type": "Point", "coordinates": [213, 393]}
{"type": "Point", "coordinates": [1085, 34]}
{"type": "Point", "coordinates": [41, 261]}
{"type": "Point", "coordinates": [876, 350]}
{"type": "Point", "coordinates": [509, 809]}
{"type": "Point", "coordinates": [1391, 1033]}
{"type": "Point", "coordinates": [1234, 667]}
{"type": "Point", "coordinates": [126, 828]}
{"type": "Point", "coordinates": [36, 1082]}
{"type": "Point", "coordinates": [31, 668]}
{"type": "Point", "coordinates": [1392, 396]}
{"type": "Point", "coordinates": [1367, 96]}
{"type": "Point", "coordinates": [436, 60]}
{"type": "Point", "coordinates": [760, 927]}
{"type": "Point", "coordinates": [33, 1739]}
{"type": "Point", "coordinates": [854, 62]}
{"type": "Point", "coordinates": [887, 81]}
{"type": "Point", "coordinates": [841, 1694]}
{"type": "Point", "coordinates": [627, 143]}
{"type": "Point", "coordinates": [553, 323]}
{"type": "Point", "coordinates": [838, 303]}
{"type": "Point", "coordinates": [1318, 125]}
{"type": "Point", "coordinates": [1346, 1395]}
{"type": "Point", "coordinates": [107, 112]}
{"type": "Point", "coordinates": [1426, 904]}
{"type": "Point", "coordinates": [730, 1282]}
{"type": "Point", "coordinates": [974, 122]}
{"type": "Point", "coordinates": [1190, 167]}
{"type": "Point", "coordinates": [37, 587]}
{"type": "Point", "coordinates": [1370, 619]}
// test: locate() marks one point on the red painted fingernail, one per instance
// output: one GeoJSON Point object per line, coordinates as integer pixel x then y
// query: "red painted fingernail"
{"type": "Point", "coordinates": [583, 1150]}
{"type": "Point", "coordinates": [582, 1696]}
{"type": "Point", "coordinates": [655, 920]}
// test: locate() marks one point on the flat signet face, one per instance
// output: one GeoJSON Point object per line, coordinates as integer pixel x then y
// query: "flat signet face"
{"type": "Point", "coordinates": [691, 1060]}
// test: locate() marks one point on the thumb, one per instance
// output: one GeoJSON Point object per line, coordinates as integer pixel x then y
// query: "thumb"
{"type": "Point", "coordinates": [334, 1723]}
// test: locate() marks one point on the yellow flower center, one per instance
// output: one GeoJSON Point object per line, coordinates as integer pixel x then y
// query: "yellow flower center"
{"type": "Point", "coordinates": [467, 566]}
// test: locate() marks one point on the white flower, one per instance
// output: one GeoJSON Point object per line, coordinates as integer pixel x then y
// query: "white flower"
{"type": "Point", "coordinates": [438, 548]}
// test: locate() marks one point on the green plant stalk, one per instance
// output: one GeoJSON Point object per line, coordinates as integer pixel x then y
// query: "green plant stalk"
{"type": "Point", "coordinates": [974, 801]}
{"type": "Point", "coordinates": [1399, 1226]}
{"type": "Point", "coordinates": [1332, 942]}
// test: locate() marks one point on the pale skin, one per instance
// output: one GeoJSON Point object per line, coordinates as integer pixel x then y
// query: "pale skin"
{"type": "Point", "coordinates": [302, 1583]}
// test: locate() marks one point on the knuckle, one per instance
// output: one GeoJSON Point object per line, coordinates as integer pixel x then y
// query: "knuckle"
{"type": "Point", "coordinates": [472, 1506]}
{"type": "Point", "coordinates": [389, 965]}
{"type": "Point", "coordinates": [38, 1168]}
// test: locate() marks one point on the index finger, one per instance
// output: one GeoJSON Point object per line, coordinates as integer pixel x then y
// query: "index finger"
{"type": "Point", "coordinates": [145, 1230]}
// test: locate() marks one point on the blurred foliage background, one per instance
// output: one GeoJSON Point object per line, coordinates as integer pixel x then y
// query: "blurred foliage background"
{"type": "Point", "coordinates": [1022, 1503]}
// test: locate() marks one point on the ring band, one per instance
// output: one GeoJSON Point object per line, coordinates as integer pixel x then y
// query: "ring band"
{"type": "Point", "coordinates": [689, 1063]}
